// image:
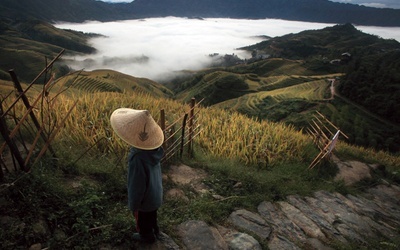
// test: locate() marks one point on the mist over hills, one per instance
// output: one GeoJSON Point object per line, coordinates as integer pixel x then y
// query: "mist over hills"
{"type": "Point", "coordinates": [306, 10]}
{"type": "Point", "coordinates": [292, 62]}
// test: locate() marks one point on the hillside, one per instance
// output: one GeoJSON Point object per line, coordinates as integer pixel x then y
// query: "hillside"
{"type": "Point", "coordinates": [326, 44]}
{"type": "Point", "coordinates": [61, 10]}
{"type": "Point", "coordinates": [78, 199]}
{"type": "Point", "coordinates": [242, 168]}
{"type": "Point", "coordinates": [306, 10]}
{"type": "Point", "coordinates": [288, 86]}
{"type": "Point", "coordinates": [374, 82]}
{"type": "Point", "coordinates": [25, 45]}
{"type": "Point", "coordinates": [113, 81]}
{"type": "Point", "coordinates": [297, 78]}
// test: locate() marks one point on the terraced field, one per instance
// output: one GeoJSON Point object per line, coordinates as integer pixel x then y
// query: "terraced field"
{"type": "Point", "coordinates": [282, 88]}
{"type": "Point", "coordinates": [112, 81]}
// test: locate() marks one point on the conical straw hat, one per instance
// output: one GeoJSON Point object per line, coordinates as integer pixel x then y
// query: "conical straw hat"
{"type": "Point", "coordinates": [137, 128]}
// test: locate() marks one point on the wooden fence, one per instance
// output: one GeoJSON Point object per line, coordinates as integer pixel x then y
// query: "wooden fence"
{"type": "Point", "coordinates": [41, 132]}
{"type": "Point", "coordinates": [177, 138]}
{"type": "Point", "coordinates": [26, 152]}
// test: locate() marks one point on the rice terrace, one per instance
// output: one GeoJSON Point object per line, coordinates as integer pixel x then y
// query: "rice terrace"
{"type": "Point", "coordinates": [269, 153]}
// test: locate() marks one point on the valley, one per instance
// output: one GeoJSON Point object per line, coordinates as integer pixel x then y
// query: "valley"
{"type": "Point", "coordinates": [249, 160]}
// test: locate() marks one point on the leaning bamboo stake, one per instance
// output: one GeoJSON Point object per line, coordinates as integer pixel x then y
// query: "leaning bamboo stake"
{"type": "Point", "coordinates": [34, 80]}
{"type": "Point", "coordinates": [28, 112]}
{"type": "Point", "coordinates": [183, 134]}
{"type": "Point", "coordinates": [194, 136]}
{"type": "Point", "coordinates": [322, 124]}
{"type": "Point", "coordinates": [191, 122]}
{"type": "Point", "coordinates": [323, 156]}
{"type": "Point", "coordinates": [173, 134]}
{"type": "Point", "coordinates": [333, 125]}
{"type": "Point", "coordinates": [25, 100]}
{"type": "Point", "coordinates": [319, 158]}
{"type": "Point", "coordinates": [11, 144]}
{"type": "Point", "coordinates": [54, 134]}
{"type": "Point", "coordinates": [35, 141]}
{"type": "Point", "coordinates": [175, 122]}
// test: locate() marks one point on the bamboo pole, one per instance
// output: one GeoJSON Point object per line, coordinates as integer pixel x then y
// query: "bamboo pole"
{"type": "Point", "coordinates": [191, 118]}
{"type": "Point", "coordinates": [322, 124]}
{"type": "Point", "coordinates": [183, 134]}
{"type": "Point", "coordinates": [34, 80]}
{"type": "Point", "coordinates": [11, 144]}
{"type": "Point", "coordinates": [25, 100]}
{"type": "Point", "coordinates": [54, 134]}
{"type": "Point", "coordinates": [333, 125]}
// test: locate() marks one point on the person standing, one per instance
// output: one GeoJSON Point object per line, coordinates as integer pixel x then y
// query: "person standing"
{"type": "Point", "coordinates": [144, 181]}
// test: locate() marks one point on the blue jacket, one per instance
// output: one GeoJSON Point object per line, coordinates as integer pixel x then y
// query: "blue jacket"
{"type": "Point", "coordinates": [145, 191]}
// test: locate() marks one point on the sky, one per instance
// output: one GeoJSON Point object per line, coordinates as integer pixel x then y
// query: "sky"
{"type": "Point", "coordinates": [371, 3]}
{"type": "Point", "coordinates": [155, 48]}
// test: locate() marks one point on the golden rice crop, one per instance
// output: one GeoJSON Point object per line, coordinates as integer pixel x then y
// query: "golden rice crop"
{"type": "Point", "coordinates": [224, 134]}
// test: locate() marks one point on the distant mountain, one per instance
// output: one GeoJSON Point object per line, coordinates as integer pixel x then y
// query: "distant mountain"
{"type": "Point", "coordinates": [304, 10]}
{"type": "Point", "coordinates": [63, 10]}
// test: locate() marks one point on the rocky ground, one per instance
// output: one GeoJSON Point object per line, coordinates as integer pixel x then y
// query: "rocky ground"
{"type": "Point", "coordinates": [320, 221]}
{"type": "Point", "coordinates": [314, 222]}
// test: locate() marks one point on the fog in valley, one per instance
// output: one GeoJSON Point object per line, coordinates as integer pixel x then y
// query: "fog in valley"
{"type": "Point", "coordinates": [155, 48]}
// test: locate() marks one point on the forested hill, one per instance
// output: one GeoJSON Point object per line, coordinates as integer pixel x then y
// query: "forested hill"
{"type": "Point", "coordinates": [372, 68]}
{"type": "Point", "coordinates": [374, 82]}
{"type": "Point", "coordinates": [305, 10]}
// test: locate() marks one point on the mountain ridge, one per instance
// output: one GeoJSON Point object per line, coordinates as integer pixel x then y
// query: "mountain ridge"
{"type": "Point", "coordinates": [307, 10]}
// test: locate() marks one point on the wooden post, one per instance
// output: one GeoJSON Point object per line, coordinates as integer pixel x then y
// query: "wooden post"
{"type": "Point", "coordinates": [183, 134]}
{"type": "Point", "coordinates": [191, 121]}
{"type": "Point", "coordinates": [162, 124]}
{"type": "Point", "coordinates": [28, 106]}
{"type": "Point", "coordinates": [13, 147]}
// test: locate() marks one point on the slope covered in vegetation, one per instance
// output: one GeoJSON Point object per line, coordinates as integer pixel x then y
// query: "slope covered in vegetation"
{"type": "Point", "coordinates": [25, 45]}
{"type": "Point", "coordinates": [79, 199]}
{"type": "Point", "coordinates": [339, 71]}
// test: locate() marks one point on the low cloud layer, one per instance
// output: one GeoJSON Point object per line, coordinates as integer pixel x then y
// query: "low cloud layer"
{"type": "Point", "coordinates": [156, 47]}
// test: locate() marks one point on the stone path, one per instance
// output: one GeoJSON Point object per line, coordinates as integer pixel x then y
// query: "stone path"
{"type": "Point", "coordinates": [314, 222]}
